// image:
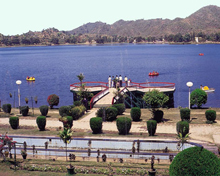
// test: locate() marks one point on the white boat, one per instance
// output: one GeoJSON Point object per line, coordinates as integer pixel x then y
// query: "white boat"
{"type": "Point", "coordinates": [207, 89]}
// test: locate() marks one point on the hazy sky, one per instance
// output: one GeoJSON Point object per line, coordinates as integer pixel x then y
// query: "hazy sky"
{"type": "Point", "coordinates": [20, 16]}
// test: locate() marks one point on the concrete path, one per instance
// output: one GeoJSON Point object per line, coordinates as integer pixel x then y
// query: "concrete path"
{"type": "Point", "coordinates": [106, 100]}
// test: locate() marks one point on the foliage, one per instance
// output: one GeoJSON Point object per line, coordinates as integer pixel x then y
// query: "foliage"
{"type": "Point", "coordinates": [14, 122]}
{"type": "Point", "coordinates": [195, 161]}
{"type": "Point", "coordinates": [67, 121]}
{"type": "Point", "coordinates": [185, 114]}
{"type": "Point", "coordinates": [120, 107]}
{"type": "Point", "coordinates": [24, 110]}
{"type": "Point", "coordinates": [101, 112]}
{"type": "Point", "coordinates": [53, 100]}
{"type": "Point", "coordinates": [96, 124]}
{"type": "Point", "coordinates": [77, 112]}
{"type": "Point", "coordinates": [182, 127]}
{"type": "Point", "coordinates": [77, 103]}
{"type": "Point", "coordinates": [43, 110]}
{"type": "Point", "coordinates": [81, 77]}
{"type": "Point", "coordinates": [41, 122]}
{"type": "Point", "coordinates": [135, 113]}
{"type": "Point", "coordinates": [198, 97]}
{"type": "Point", "coordinates": [123, 125]}
{"type": "Point", "coordinates": [65, 111]}
{"type": "Point", "coordinates": [210, 115]}
{"type": "Point", "coordinates": [151, 127]}
{"type": "Point", "coordinates": [111, 113]}
{"type": "Point", "coordinates": [84, 93]}
{"type": "Point", "coordinates": [158, 116]}
{"type": "Point", "coordinates": [6, 108]}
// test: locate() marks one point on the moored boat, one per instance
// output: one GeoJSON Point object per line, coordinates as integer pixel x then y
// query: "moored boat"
{"type": "Point", "coordinates": [207, 89]}
{"type": "Point", "coordinates": [30, 78]}
{"type": "Point", "coordinates": [153, 73]}
{"type": "Point", "coordinates": [201, 54]}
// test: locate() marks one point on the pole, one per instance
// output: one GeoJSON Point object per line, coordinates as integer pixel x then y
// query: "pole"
{"type": "Point", "coordinates": [189, 97]}
{"type": "Point", "coordinates": [19, 101]}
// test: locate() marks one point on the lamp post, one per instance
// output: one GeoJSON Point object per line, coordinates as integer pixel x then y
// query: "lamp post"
{"type": "Point", "coordinates": [189, 84]}
{"type": "Point", "coordinates": [18, 82]}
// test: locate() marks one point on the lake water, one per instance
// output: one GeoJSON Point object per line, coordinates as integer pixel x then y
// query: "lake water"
{"type": "Point", "coordinates": [56, 67]}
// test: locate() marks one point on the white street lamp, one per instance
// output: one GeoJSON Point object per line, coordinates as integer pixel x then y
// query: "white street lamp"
{"type": "Point", "coordinates": [18, 82]}
{"type": "Point", "coordinates": [189, 84]}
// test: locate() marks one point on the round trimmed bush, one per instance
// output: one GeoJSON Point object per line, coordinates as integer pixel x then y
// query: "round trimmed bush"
{"type": "Point", "coordinates": [41, 122]}
{"type": "Point", "coordinates": [6, 108]}
{"type": "Point", "coordinates": [68, 122]}
{"type": "Point", "coordinates": [44, 110]}
{"type": "Point", "coordinates": [14, 122]}
{"type": "Point", "coordinates": [210, 115]}
{"type": "Point", "coordinates": [123, 125]}
{"type": "Point", "coordinates": [101, 112]}
{"type": "Point", "coordinates": [75, 112]}
{"type": "Point", "coordinates": [198, 97]}
{"type": "Point", "coordinates": [24, 110]}
{"type": "Point", "coordinates": [53, 100]}
{"type": "Point", "coordinates": [195, 161]}
{"type": "Point", "coordinates": [182, 127]}
{"type": "Point", "coordinates": [65, 111]}
{"type": "Point", "coordinates": [185, 114]}
{"type": "Point", "coordinates": [151, 127]}
{"type": "Point", "coordinates": [158, 116]}
{"type": "Point", "coordinates": [96, 124]}
{"type": "Point", "coordinates": [120, 107]}
{"type": "Point", "coordinates": [111, 113]}
{"type": "Point", "coordinates": [135, 113]}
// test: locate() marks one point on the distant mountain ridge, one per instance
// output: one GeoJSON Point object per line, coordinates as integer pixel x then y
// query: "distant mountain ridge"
{"type": "Point", "coordinates": [206, 19]}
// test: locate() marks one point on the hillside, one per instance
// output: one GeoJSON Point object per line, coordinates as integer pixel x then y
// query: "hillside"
{"type": "Point", "coordinates": [206, 19]}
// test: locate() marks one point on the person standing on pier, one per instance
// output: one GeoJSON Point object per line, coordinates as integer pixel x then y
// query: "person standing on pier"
{"type": "Point", "coordinates": [109, 81]}
{"type": "Point", "coordinates": [113, 81]}
{"type": "Point", "coordinates": [129, 82]}
{"type": "Point", "coordinates": [120, 81]}
{"type": "Point", "coordinates": [126, 81]}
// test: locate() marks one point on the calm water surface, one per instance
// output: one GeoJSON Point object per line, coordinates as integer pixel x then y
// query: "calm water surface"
{"type": "Point", "coordinates": [56, 67]}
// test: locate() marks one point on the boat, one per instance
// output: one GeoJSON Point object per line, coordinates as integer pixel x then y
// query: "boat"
{"type": "Point", "coordinates": [207, 89]}
{"type": "Point", "coordinates": [153, 73]}
{"type": "Point", "coordinates": [201, 54]}
{"type": "Point", "coordinates": [30, 78]}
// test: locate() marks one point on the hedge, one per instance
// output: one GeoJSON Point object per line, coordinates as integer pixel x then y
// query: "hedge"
{"type": "Point", "coordinates": [123, 125]}
{"type": "Point", "coordinates": [185, 114]}
{"type": "Point", "coordinates": [182, 127]}
{"type": "Point", "coordinates": [210, 115]}
{"type": "Point", "coordinates": [135, 113]}
{"type": "Point", "coordinates": [151, 127]}
{"type": "Point", "coordinates": [96, 124]}
{"type": "Point", "coordinates": [14, 122]}
{"type": "Point", "coordinates": [6, 108]}
{"type": "Point", "coordinates": [44, 110]}
{"type": "Point", "coordinates": [120, 107]}
{"type": "Point", "coordinates": [41, 122]}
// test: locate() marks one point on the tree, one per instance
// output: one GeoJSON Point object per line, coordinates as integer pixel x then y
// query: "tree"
{"type": "Point", "coordinates": [66, 136]}
{"type": "Point", "coordinates": [198, 97]}
{"type": "Point", "coordinates": [81, 78]}
{"type": "Point", "coordinates": [155, 99]}
{"type": "Point", "coordinates": [53, 100]}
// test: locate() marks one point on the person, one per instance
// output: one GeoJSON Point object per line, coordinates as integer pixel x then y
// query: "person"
{"type": "Point", "coordinates": [85, 103]}
{"type": "Point", "coordinates": [126, 81]}
{"type": "Point", "coordinates": [129, 82]}
{"type": "Point", "coordinates": [109, 81]}
{"type": "Point", "coordinates": [120, 81]}
{"type": "Point", "coordinates": [201, 87]}
{"type": "Point", "coordinates": [113, 84]}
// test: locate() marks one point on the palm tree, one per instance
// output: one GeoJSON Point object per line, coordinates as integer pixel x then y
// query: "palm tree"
{"type": "Point", "coordinates": [66, 135]}
{"type": "Point", "coordinates": [81, 77]}
{"type": "Point", "coordinates": [182, 139]}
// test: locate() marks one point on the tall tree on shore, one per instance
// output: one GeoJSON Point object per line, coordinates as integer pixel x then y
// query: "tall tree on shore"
{"type": "Point", "coordinates": [81, 78]}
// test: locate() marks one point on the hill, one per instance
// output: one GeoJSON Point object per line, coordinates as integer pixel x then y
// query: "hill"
{"type": "Point", "coordinates": [206, 19]}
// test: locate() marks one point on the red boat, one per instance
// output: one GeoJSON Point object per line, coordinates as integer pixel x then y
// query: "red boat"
{"type": "Point", "coordinates": [201, 54]}
{"type": "Point", "coordinates": [153, 73]}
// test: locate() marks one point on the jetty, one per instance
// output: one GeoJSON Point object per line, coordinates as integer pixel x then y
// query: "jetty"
{"type": "Point", "coordinates": [104, 95]}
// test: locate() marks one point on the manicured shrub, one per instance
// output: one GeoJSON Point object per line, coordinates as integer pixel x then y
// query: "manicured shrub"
{"type": "Point", "coordinates": [182, 127]}
{"type": "Point", "coordinates": [151, 127]}
{"type": "Point", "coordinates": [195, 161]}
{"type": "Point", "coordinates": [53, 100]}
{"type": "Point", "coordinates": [24, 110]}
{"type": "Point", "coordinates": [135, 113]}
{"type": "Point", "coordinates": [44, 110]}
{"type": "Point", "coordinates": [101, 112]}
{"type": "Point", "coordinates": [96, 124]}
{"type": "Point", "coordinates": [111, 113]}
{"type": "Point", "coordinates": [76, 113]}
{"type": "Point", "coordinates": [65, 111]}
{"type": "Point", "coordinates": [198, 97]}
{"type": "Point", "coordinates": [67, 121]}
{"type": "Point", "coordinates": [120, 107]}
{"type": "Point", "coordinates": [82, 109]}
{"type": "Point", "coordinates": [158, 116]}
{"type": "Point", "coordinates": [41, 122]}
{"type": "Point", "coordinates": [14, 122]}
{"type": "Point", "coordinates": [210, 115]}
{"type": "Point", "coordinates": [123, 125]}
{"type": "Point", "coordinates": [185, 114]}
{"type": "Point", "coordinates": [77, 103]}
{"type": "Point", "coordinates": [6, 108]}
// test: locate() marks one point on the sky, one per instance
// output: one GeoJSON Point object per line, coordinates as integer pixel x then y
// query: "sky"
{"type": "Point", "coordinates": [20, 16]}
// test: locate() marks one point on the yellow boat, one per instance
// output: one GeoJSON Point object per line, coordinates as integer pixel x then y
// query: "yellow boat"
{"type": "Point", "coordinates": [30, 78]}
{"type": "Point", "coordinates": [207, 89]}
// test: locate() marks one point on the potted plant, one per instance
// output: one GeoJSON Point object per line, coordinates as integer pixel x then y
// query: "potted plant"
{"type": "Point", "coordinates": [24, 154]}
{"type": "Point", "coordinates": [26, 100]}
{"type": "Point", "coordinates": [70, 169]}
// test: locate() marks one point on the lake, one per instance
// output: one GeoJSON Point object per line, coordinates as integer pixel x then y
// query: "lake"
{"type": "Point", "coordinates": [56, 67]}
